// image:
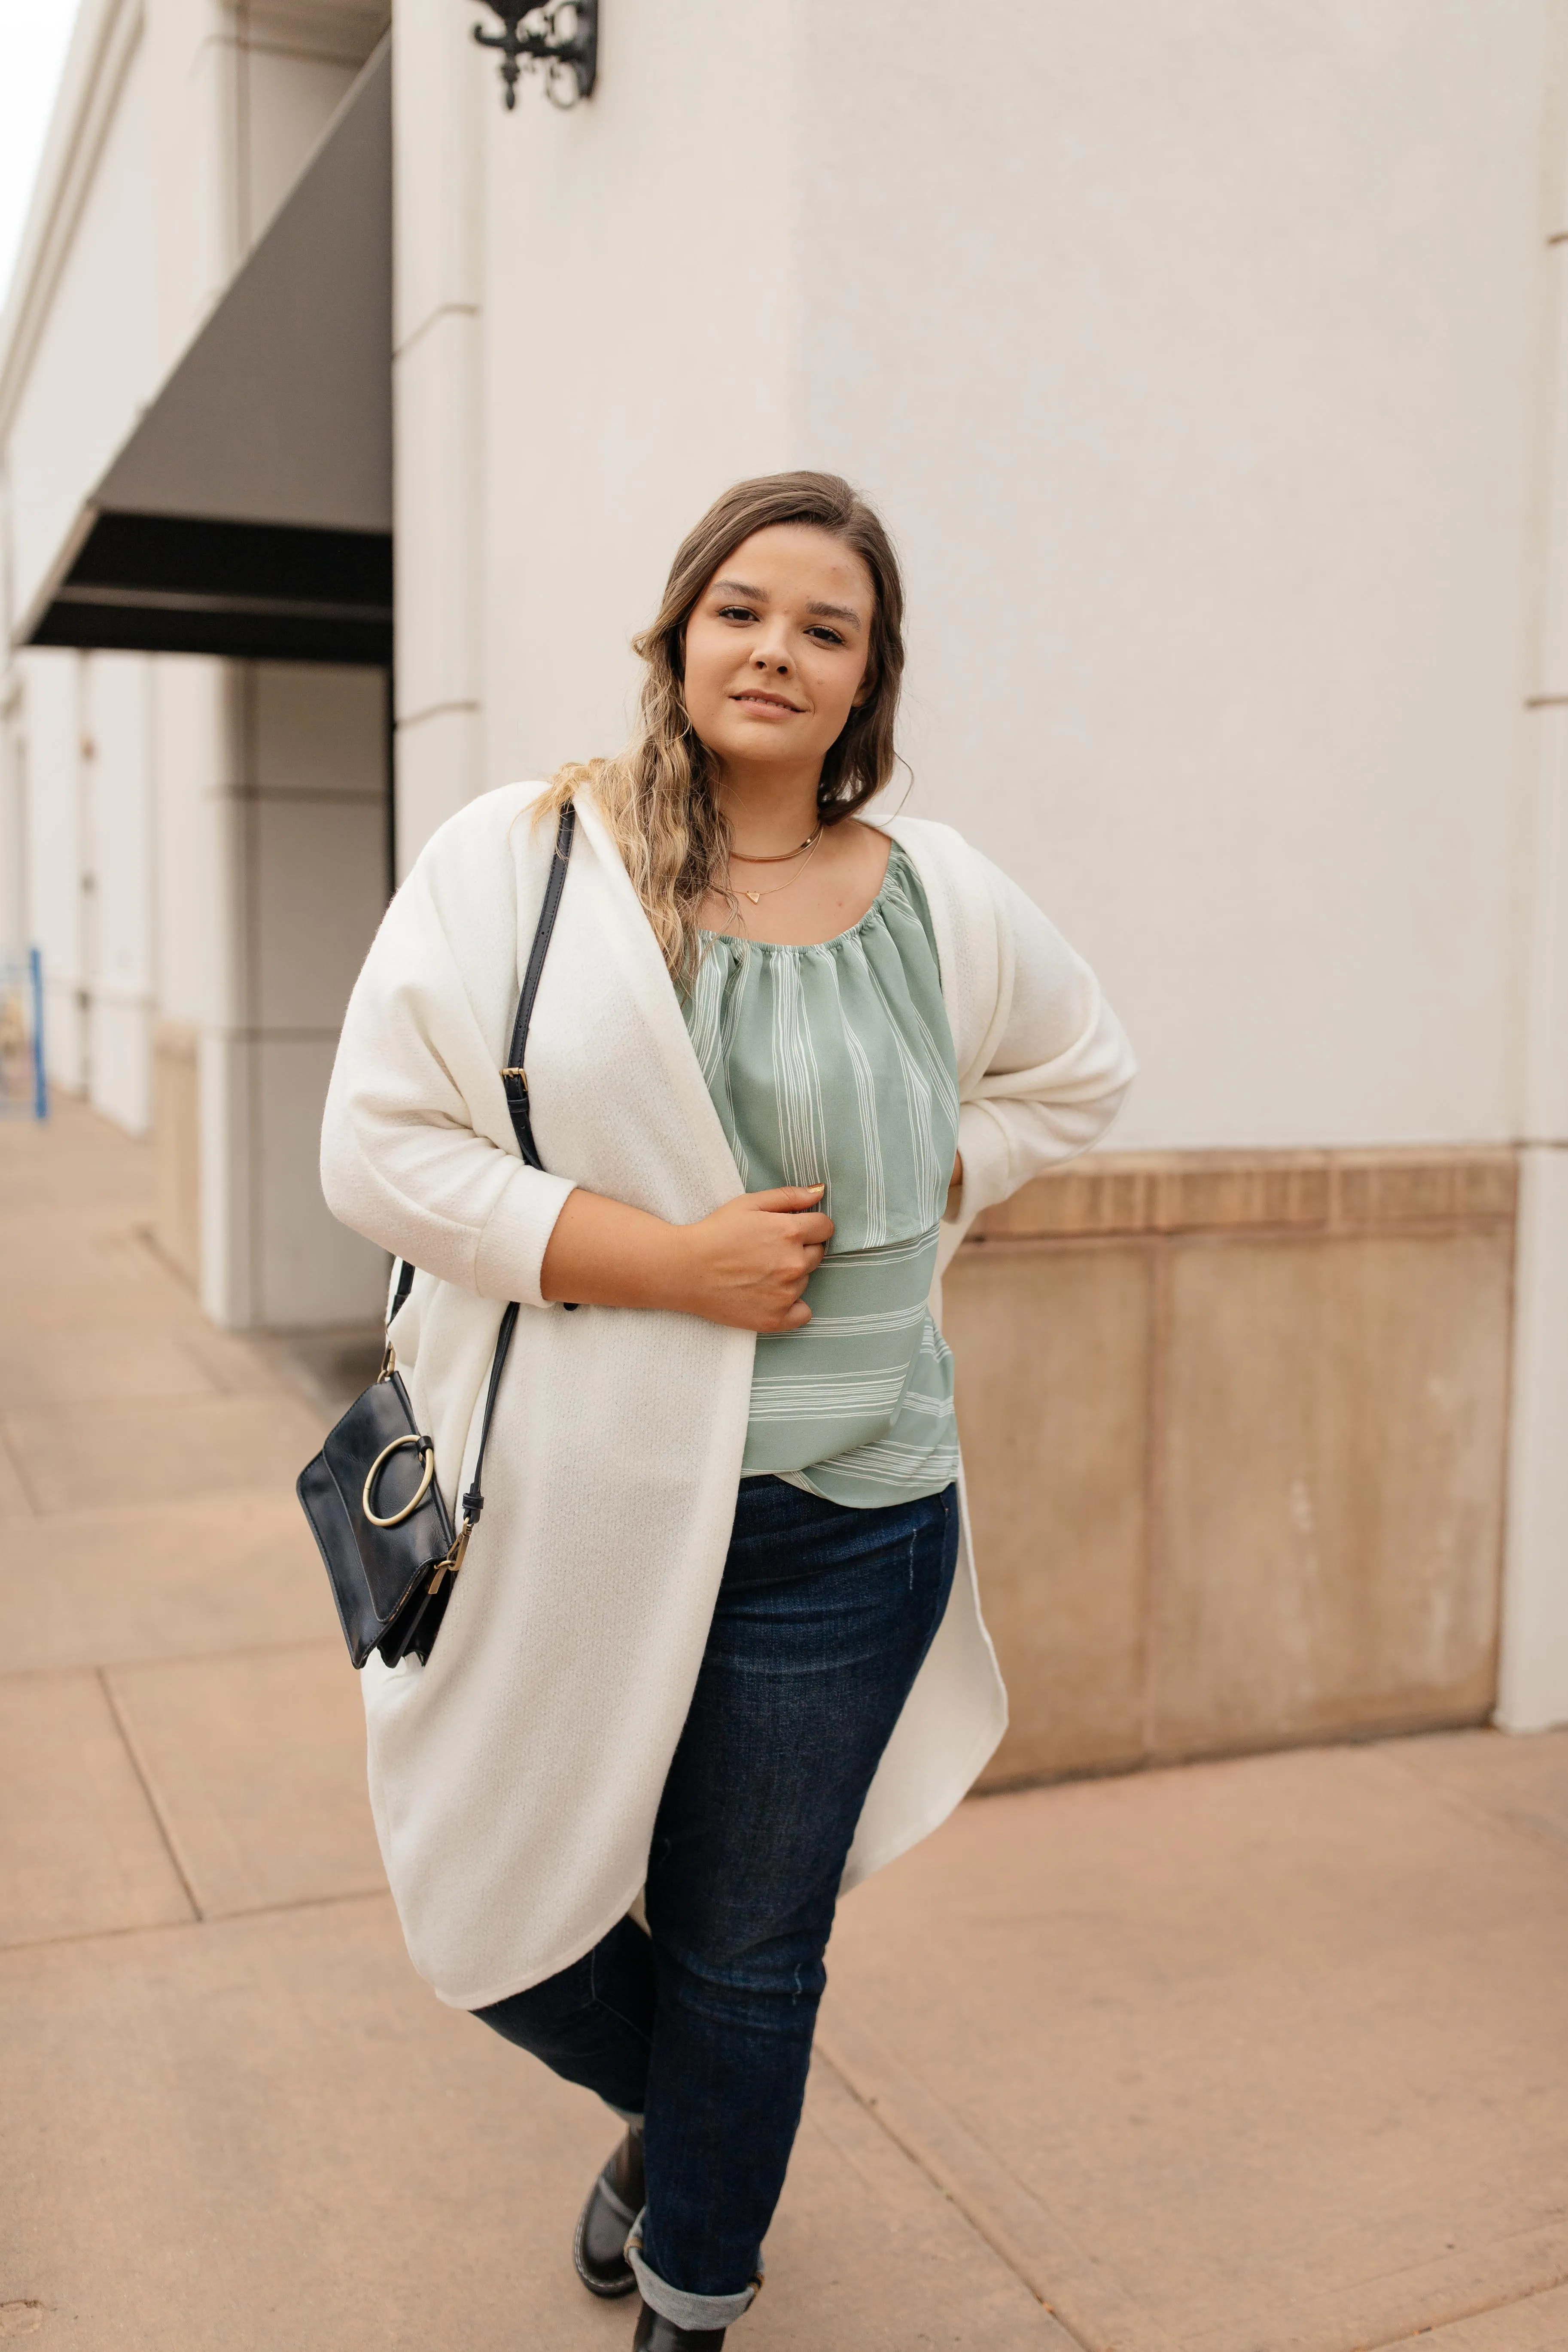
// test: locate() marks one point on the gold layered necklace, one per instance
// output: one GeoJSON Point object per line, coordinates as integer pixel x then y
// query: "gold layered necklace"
{"type": "Point", "coordinates": [780, 857]}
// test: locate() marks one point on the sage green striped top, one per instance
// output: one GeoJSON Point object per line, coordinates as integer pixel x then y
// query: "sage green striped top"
{"type": "Point", "coordinates": [834, 1064]}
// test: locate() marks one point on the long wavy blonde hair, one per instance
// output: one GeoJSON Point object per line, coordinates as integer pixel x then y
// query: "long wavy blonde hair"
{"type": "Point", "coordinates": [657, 796]}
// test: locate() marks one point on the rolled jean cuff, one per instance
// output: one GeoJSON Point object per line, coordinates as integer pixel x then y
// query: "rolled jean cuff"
{"type": "Point", "coordinates": [684, 2310]}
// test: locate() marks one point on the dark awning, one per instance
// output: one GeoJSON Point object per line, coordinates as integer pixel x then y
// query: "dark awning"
{"type": "Point", "coordinates": [250, 511]}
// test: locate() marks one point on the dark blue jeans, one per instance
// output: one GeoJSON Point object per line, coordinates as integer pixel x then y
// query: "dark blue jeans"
{"type": "Point", "coordinates": [705, 2025]}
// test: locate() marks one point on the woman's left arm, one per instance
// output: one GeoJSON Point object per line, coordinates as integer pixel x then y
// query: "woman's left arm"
{"type": "Point", "coordinates": [1057, 1075]}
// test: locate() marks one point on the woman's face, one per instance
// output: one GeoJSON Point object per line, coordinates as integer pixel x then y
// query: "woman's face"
{"type": "Point", "coordinates": [776, 648]}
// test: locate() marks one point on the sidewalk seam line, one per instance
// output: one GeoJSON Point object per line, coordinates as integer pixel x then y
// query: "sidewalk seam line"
{"type": "Point", "coordinates": [14, 1459]}
{"type": "Point", "coordinates": [1435, 2327]}
{"type": "Point", "coordinates": [184, 1927]}
{"type": "Point", "coordinates": [139, 1768]}
{"type": "Point", "coordinates": [1472, 1808]}
{"type": "Point", "coordinates": [130, 1665]}
{"type": "Point", "coordinates": [948, 2184]}
{"type": "Point", "coordinates": [150, 1506]}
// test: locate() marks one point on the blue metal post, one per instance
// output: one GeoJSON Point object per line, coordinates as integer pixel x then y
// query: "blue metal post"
{"type": "Point", "coordinates": [40, 1081]}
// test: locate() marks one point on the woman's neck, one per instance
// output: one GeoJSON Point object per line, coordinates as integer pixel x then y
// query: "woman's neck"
{"type": "Point", "coordinates": [768, 812]}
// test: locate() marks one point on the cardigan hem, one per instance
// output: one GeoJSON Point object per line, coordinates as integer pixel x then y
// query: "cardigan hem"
{"type": "Point", "coordinates": [508, 1985]}
{"type": "Point", "coordinates": [923, 1825]}
{"type": "Point", "coordinates": [910, 1835]}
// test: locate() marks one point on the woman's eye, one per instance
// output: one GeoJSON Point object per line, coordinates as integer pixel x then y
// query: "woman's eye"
{"type": "Point", "coordinates": [736, 613]}
{"type": "Point", "coordinates": [828, 636]}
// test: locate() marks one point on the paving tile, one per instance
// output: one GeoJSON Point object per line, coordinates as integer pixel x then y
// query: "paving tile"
{"type": "Point", "coordinates": [31, 1196]}
{"type": "Point", "coordinates": [87, 1364]}
{"type": "Point", "coordinates": [1279, 2044]}
{"type": "Point", "coordinates": [1520, 1777]}
{"type": "Point", "coordinates": [146, 1452]}
{"type": "Point", "coordinates": [95, 1170]}
{"type": "Point", "coordinates": [1030, 2240]}
{"type": "Point", "coordinates": [1538, 2323]}
{"type": "Point", "coordinates": [81, 1851]}
{"type": "Point", "coordinates": [328, 1367]}
{"type": "Point", "coordinates": [72, 1301]}
{"type": "Point", "coordinates": [162, 1580]}
{"type": "Point", "coordinates": [108, 1253]}
{"type": "Point", "coordinates": [255, 1763]}
{"type": "Point", "coordinates": [264, 2134]}
{"type": "Point", "coordinates": [233, 1365]}
{"type": "Point", "coordinates": [867, 2252]}
{"type": "Point", "coordinates": [16, 1503]}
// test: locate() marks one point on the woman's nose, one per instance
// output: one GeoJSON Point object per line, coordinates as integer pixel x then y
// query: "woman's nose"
{"type": "Point", "coordinates": [771, 657]}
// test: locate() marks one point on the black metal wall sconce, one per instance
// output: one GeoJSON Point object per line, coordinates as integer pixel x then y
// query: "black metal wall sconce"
{"type": "Point", "coordinates": [562, 35]}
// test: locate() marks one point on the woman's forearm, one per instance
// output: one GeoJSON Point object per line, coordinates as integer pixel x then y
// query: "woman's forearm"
{"type": "Point", "coordinates": [745, 1264]}
{"type": "Point", "coordinates": [603, 1254]}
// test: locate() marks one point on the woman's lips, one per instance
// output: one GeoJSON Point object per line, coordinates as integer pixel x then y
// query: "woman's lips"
{"type": "Point", "coordinates": [768, 702]}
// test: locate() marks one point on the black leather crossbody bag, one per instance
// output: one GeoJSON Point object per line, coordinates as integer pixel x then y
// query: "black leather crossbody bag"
{"type": "Point", "coordinates": [371, 1495]}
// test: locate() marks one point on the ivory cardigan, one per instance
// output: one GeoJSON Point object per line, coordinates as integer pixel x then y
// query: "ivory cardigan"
{"type": "Point", "coordinates": [515, 1777]}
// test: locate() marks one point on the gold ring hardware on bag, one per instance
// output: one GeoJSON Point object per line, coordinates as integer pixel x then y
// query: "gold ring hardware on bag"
{"type": "Point", "coordinates": [428, 1451]}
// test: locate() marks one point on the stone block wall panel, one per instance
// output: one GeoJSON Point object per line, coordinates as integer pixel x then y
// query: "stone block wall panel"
{"type": "Point", "coordinates": [1054, 1348]}
{"type": "Point", "coordinates": [1235, 1427]}
{"type": "Point", "coordinates": [1333, 1426]}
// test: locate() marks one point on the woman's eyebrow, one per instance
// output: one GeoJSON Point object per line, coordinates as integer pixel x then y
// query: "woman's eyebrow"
{"type": "Point", "coordinates": [821, 611]}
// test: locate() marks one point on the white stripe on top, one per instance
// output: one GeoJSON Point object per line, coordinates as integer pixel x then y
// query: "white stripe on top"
{"type": "Point", "coordinates": [834, 1064]}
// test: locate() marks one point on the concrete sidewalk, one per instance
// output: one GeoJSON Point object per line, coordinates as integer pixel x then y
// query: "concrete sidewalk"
{"type": "Point", "coordinates": [1263, 2056]}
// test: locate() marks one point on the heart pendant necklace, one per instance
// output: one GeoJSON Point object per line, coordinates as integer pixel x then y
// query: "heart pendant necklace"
{"type": "Point", "coordinates": [780, 857]}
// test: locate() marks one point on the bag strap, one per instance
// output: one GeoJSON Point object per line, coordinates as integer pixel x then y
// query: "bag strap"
{"type": "Point", "coordinates": [516, 1084]}
{"type": "Point", "coordinates": [514, 1077]}
{"type": "Point", "coordinates": [474, 1500]}
{"type": "Point", "coordinates": [399, 1300]}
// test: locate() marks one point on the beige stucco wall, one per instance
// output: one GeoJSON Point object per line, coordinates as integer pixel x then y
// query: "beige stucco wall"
{"type": "Point", "coordinates": [1202, 361]}
{"type": "Point", "coordinates": [1190, 356]}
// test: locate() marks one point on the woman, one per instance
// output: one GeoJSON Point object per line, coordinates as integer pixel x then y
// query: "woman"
{"type": "Point", "coordinates": [708, 1647]}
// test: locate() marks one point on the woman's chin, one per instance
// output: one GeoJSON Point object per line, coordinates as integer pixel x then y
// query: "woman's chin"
{"type": "Point", "coordinates": [759, 739]}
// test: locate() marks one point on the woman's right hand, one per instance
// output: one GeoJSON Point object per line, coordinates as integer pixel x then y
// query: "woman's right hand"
{"type": "Point", "coordinates": [748, 1263]}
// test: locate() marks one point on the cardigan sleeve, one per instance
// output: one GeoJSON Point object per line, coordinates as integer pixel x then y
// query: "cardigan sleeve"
{"type": "Point", "coordinates": [403, 1161]}
{"type": "Point", "coordinates": [1057, 1074]}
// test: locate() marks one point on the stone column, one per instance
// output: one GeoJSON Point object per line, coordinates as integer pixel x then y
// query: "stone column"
{"type": "Point", "coordinates": [1533, 1681]}
{"type": "Point", "coordinates": [297, 872]}
{"type": "Point", "coordinates": [437, 85]}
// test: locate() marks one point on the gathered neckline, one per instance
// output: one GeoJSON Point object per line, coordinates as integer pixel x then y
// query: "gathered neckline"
{"type": "Point", "coordinates": [812, 947]}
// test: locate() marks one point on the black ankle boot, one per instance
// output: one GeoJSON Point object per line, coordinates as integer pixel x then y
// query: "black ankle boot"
{"type": "Point", "coordinates": [599, 2248]}
{"type": "Point", "coordinates": [657, 2334]}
